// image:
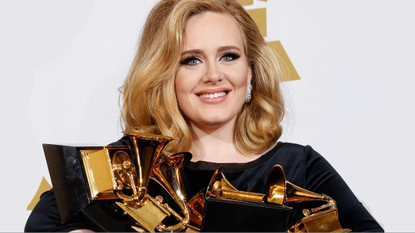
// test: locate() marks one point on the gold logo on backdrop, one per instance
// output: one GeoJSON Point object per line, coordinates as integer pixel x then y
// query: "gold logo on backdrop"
{"type": "Point", "coordinates": [43, 187]}
{"type": "Point", "coordinates": [259, 15]}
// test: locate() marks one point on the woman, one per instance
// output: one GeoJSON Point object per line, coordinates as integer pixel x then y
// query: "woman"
{"type": "Point", "coordinates": [152, 75]}
{"type": "Point", "coordinates": [204, 74]}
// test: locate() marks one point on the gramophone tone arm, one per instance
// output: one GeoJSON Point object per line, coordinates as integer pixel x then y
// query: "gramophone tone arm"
{"type": "Point", "coordinates": [331, 204]}
{"type": "Point", "coordinates": [138, 197]}
{"type": "Point", "coordinates": [183, 222]}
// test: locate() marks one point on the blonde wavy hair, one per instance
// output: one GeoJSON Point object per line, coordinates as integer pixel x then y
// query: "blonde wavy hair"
{"type": "Point", "coordinates": [148, 94]}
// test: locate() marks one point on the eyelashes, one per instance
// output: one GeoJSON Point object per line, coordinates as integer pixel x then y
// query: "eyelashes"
{"type": "Point", "coordinates": [194, 60]}
{"type": "Point", "coordinates": [230, 56]}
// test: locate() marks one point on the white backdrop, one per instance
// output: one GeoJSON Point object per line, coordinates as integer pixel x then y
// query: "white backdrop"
{"type": "Point", "coordinates": [62, 63]}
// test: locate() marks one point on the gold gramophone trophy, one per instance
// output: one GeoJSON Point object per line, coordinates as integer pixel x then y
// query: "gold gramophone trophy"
{"type": "Point", "coordinates": [320, 219]}
{"type": "Point", "coordinates": [279, 192]}
{"type": "Point", "coordinates": [108, 186]}
{"type": "Point", "coordinates": [112, 188]}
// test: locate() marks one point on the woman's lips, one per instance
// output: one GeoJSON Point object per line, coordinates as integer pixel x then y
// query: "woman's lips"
{"type": "Point", "coordinates": [213, 96]}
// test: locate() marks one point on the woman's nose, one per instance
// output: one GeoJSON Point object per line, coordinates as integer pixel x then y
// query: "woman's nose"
{"type": "Point", "coordinates": [212, 74]}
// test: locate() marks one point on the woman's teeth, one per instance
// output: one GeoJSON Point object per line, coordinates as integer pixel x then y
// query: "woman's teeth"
{"type": "Point", "coordinates": [211, 96]}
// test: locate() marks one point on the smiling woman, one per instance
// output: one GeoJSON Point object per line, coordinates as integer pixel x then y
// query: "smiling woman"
{"type": "Point", "coordinates": [204, 74]}
{"type": "Point", "coordinates": [208, 39]}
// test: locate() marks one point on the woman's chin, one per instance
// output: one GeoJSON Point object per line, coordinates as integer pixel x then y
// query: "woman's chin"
{"type": "Point", "coordinates": [214, 122]}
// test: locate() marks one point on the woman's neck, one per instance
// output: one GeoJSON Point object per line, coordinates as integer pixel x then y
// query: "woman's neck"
{"type": "Point", "coordinates": [215, 144]}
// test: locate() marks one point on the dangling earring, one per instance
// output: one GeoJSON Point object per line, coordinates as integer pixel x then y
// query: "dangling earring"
{"type": "Point", "coordinates": [248, 94]}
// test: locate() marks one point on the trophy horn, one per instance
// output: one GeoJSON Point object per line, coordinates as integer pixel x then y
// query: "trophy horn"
{"type": "Point", "coordinates": [196, 207]}
{"type": "Point", "coordinates": [280, 191]}
{"type": "Point", "coordinates": [220, 187]}
{"type": "Point", "coordinates": [167, 171]}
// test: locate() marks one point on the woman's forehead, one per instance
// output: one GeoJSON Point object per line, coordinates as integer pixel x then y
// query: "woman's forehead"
{"type": "Point", "coordinates": [212, 28]}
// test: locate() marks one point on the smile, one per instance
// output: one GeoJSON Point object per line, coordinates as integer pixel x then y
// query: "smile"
{"type": "Point", "coordinates": [212, 96]}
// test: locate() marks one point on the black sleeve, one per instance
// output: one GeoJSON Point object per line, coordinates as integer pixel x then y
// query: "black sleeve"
{"type": "Point", "coordinates": [45, 217]}
{"type": "Point", "coordinates": [322, 178]}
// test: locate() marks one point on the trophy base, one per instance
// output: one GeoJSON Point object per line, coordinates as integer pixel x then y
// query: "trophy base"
{"type": "Point", "coordinates": [107, 217]}
{"type": "Point", "coordinates": [225, 215]}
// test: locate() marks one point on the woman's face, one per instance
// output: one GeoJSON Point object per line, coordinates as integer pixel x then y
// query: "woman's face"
{"type": "Point", "coordinates": [211, 81]}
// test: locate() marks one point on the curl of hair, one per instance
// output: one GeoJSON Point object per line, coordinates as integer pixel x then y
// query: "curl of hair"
{"type": "Point", "coordinates": [148, 93]}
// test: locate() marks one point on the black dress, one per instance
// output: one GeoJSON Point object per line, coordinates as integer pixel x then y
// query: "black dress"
{"type": "Point", "coordinates": [303, 167]}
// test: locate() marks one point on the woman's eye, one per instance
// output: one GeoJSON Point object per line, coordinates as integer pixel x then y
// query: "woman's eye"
{"type": "Point", "coordinates": [190, 61]}
{"type": "Point", "coordinates": [230, 57]}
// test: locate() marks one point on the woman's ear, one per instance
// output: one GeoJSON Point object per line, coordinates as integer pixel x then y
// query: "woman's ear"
{"type": "Point", "coordinates": [250, 72]}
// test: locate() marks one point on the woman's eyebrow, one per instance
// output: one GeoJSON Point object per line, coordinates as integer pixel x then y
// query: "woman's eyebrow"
{"type": "Point", "coordinates": [224, 48]}
{"type": "Point", "coordinates": [220, 49]}
{"type": "Point", "coordinates": [194, 51]}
